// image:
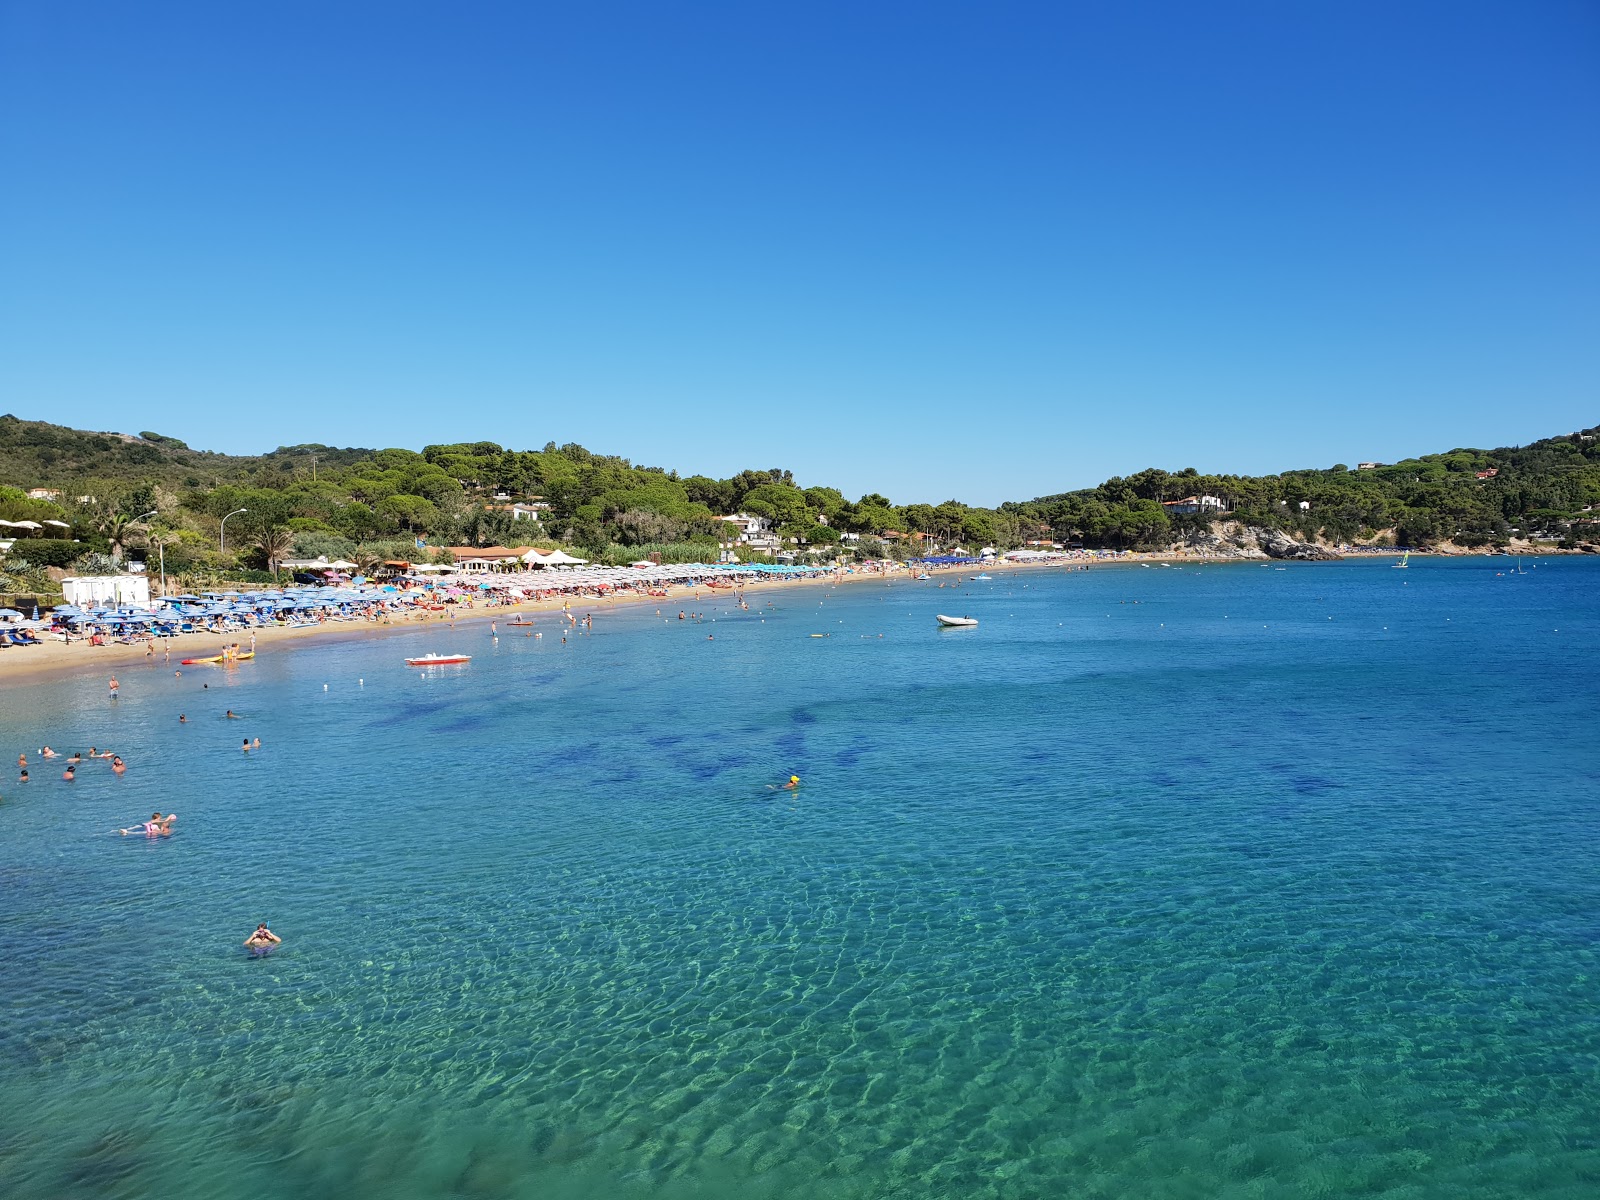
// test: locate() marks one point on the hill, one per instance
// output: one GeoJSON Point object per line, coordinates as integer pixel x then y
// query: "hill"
{"type": "Point", "coordinates": [365, 504]}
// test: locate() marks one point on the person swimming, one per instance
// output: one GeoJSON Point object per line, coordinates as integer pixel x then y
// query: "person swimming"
{"type": "Point", "coordinates": [261, 941]}
{"type": "Point", "coordinates": [75, 759]}
{"type": "Point", "coordinates": [233, 716]}
{"type": "Point", "coordinates": [46, 752]}
{"type": "Point", "coordinates": [117, 765]}
{"type": "Point", "coordinates": [183, 719]}
{"type": "Point", "coordinates": [70, 773]}
{"type": "Point", "coordinates": [156, 826]}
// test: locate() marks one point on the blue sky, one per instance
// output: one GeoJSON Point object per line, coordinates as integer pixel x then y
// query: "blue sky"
{"type": "Point", "coordinates": [981, 251]}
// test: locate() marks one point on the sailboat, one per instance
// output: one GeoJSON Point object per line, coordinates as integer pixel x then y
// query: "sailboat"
{"type": "Point", "coordinates": [1402, 564]}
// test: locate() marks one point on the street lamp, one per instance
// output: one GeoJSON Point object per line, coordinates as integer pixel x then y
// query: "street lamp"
{"type": "Point", "coordinates": [222, 533]}
{"type": "Point", "coordinates": [161, 548]}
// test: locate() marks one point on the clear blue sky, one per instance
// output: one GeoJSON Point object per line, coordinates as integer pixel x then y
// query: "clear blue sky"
{"type": "Point", "coordinates": [985, 251]}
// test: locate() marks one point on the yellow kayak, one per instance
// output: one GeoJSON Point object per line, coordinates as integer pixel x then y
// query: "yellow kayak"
{"type": "Point", "coordinates": [216, 658]}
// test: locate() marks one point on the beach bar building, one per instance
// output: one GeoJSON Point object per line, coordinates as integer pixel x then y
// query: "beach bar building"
{"type": "Point", "coordinates": [117, 591]}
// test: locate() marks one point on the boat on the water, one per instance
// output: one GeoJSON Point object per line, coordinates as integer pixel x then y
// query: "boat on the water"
{"type": "Point", "coordinates": [955, 622]}
{"type": "Point", "coordinates": [216, 658]}
{"type": "Point", "coordinates": [438, 660]}
{"type": "Point", "coordinates": [979, 578]}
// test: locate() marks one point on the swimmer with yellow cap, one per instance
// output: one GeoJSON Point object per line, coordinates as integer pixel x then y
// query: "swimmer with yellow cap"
{"type": "Point", "coordinates": [794, 782]}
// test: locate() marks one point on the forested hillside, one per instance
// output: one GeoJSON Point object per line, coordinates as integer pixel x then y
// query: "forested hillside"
{"type": "Point", "coordinates": [368, 504]}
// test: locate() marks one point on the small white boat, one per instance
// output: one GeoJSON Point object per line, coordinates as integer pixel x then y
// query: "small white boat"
{"type": "Point", "coordinates": [955, 622]}
{"type": "Point", "coordinates": [979, 578]}
{"type": "Point", "coordinates": [438, 660]}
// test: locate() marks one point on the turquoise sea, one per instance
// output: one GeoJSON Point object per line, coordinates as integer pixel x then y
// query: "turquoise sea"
{"type": "Point", "coordinates": [1214, 881]}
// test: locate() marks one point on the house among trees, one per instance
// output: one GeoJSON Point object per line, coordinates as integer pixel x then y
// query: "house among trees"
{"type": "Point", "coordinates": [1195, 504]}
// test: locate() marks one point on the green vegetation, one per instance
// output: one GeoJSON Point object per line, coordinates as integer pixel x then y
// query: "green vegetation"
{"type": "Point", "coordinates": [372, 505]}
{"type": "Point", "coordinates": [1546, 490]}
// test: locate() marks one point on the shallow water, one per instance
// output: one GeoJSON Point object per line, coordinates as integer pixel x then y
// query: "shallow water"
{"type": "Point", "coordinates": [1273, 883]}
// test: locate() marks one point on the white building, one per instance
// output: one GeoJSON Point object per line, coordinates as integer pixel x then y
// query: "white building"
{"type": "Point", "coordinates": [1195, 504]}
{"type": "Point", "coordinates": [749, 527]}
{"type": "Point", "coordinates": [132, 591]}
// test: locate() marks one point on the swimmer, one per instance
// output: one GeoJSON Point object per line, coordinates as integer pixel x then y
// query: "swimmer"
{"type": "Point", "coordinates": [256, 745]}
{"type": "Point", "coordinates": [183, 719]}
{"type": "Point", "coordinates": [261, 941]}
{"type": "Point", "coordinates": [233, 716]}
{"type": "Point", "coordinates": [118, 765]}
{"type": "Point", "coordinates": [75, 759]}
{"type": "Point", "coordinates": [114, 685]}
{"type": "Point", "coordinates": [22, 759]}
{"type": "Point", "coordinates": [791, 785]}
{"type": "Point", "coordinates": [23, 778]}
{"type": "Point", "coordinates": [246, 746]}
{"type": "Point", "coordinates": [156, 826]}
{"type": "Point", "coordinates": [70, 773]}
{"type": "Point", "coordinates": [46, 752]}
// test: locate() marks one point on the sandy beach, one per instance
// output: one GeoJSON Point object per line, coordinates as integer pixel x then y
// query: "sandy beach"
{"type": "Point", "coordinates": [53, 658]}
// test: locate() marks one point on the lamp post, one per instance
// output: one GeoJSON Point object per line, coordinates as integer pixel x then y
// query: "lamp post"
{"type": "Point", "coordinates": [141, 517]}
{"type": "Point", "coordinates": [222, 533]}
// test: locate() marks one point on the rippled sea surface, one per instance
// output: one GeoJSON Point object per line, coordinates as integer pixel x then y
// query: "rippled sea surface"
{"type": "Point", "coordinates": [1228, 881]}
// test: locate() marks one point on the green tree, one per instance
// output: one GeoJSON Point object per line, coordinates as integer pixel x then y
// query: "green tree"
{"type": "Point", "coordinates": [409, 512]}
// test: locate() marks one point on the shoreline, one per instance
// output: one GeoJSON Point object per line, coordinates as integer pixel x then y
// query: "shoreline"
{"type": "Point", "coordinates": [54, 660]}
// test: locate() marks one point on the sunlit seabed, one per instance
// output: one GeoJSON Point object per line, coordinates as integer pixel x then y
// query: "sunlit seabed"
{"type": "Point", "coordinates": [1208, 895]}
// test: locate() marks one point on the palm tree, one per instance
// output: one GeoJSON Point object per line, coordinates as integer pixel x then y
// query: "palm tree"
{"type": "Point", "coordinates": [275, 541]}
{"type": "Point", "coordinates": [115, 527]}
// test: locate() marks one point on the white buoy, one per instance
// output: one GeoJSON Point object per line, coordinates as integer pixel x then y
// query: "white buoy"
{"type": "Point", "coordinates": [324, 687]}
{"type": "Point", "coordinates": [362, 682]}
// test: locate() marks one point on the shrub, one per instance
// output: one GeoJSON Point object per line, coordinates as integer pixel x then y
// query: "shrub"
{"type": "Point", "coordinates": [50, 552]}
